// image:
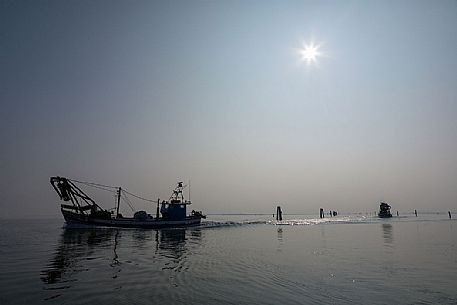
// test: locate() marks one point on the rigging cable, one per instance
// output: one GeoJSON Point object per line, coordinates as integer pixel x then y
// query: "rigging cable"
{"type": "Point", "coordinates": [138, 197]}
{"type": "Point", "coordinates": [112, 189]}
{"type": "Point", "coordinates": [103, 187]}
{"type": "Point", "coordinates": [127, 200]}
{"type": "Point", "coordinates": [93, 183]}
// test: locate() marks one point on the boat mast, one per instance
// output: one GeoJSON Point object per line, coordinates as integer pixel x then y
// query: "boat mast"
{"type": "Point", "coordinates": [118, 201]}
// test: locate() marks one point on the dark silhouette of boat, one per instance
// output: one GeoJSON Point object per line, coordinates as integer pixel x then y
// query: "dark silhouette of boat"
{"type": "Point", "coordinates": [384, 210]}
{"type": "Point", "coordinates": [79, 208]}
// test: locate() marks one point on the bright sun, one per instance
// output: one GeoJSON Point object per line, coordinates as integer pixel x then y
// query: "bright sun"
{"type": "Point", "coordinates": [309, 53]}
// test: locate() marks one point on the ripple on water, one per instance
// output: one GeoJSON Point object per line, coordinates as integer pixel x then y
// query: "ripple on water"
{"type": "Point", "coordinates": [233, 263]}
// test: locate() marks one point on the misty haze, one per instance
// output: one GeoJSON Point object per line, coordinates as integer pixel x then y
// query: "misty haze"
{"type": "Point", "coordinates": [167, 112]}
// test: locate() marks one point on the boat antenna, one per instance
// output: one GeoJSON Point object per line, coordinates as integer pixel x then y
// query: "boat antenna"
{"type": "Point", "coordinates": [189, 190]}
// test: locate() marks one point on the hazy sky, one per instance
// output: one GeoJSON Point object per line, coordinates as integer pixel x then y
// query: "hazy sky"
{"type": "Point", "coordinates": [145, 93]}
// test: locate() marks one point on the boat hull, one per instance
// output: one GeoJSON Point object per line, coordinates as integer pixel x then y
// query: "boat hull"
{"type": "Point", "coordinates": [78, 219]}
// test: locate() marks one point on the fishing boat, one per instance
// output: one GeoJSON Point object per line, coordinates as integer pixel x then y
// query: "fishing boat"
{"type": "Point", "coordinates": [78, 208]}
{"type": "Point", "coordinates": [384, 210]}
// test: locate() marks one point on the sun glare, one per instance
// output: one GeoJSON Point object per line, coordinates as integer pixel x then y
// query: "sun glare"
{"type": "Point", "coordinates": [309, 53]}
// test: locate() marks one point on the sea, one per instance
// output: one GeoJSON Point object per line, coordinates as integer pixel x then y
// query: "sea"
{"type": "Point", "coordinates": [233, 259]}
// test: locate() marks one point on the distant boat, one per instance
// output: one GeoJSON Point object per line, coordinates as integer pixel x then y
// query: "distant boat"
{"type": "Point", "coordinates": [384, 210]}
{"type": "Point", "coordinates": [84, 210]}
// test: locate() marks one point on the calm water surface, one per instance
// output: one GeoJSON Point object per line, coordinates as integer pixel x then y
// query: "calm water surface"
{"type": "Point", "coordinates": [233, 260]}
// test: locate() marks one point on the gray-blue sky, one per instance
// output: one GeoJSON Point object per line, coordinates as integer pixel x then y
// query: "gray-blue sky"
{"type": "Point", "coordinates": [143, 93]}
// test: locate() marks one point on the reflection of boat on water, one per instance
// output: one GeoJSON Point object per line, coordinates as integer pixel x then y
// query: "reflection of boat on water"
{"type": "Point", "coordinates": [84, 210]}
{"type": "Point", "coordinates": [74, 245]}
{"type": "Point", "coordinates": [81, 250]}
{"type": "Point", "coordinates": [384, 210]}
{"type": "Point", "coordinates": [387, 233]}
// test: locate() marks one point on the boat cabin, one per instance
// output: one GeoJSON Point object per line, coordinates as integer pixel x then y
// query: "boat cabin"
{"type": "Point", "coordinates": [175, 208]}
{"type": "Point", "coordinates": [384, 210]}
{"type": "Point", "coordinates": [173, 211]}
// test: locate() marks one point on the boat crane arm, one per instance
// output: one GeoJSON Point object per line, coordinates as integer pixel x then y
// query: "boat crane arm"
{"type": "Point", "coordinates": [68, 191]}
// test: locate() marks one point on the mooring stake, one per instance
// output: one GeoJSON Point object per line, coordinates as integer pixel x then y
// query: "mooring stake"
{"type": "Point", "coordinates": [278, 213]}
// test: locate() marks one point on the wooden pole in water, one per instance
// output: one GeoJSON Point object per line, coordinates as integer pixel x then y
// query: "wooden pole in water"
{"type": "Point", "coordinates": [278, 213]}
{"type": "Point", "coordinates": [397, 213]}
{"type": "Point", "coordinates": [449, 212]}
{"type": "Point", "coordinates": [415, 212]}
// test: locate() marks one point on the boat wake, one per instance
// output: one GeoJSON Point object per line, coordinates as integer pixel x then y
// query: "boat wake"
{"type": "Point", "coordinates": [229, 223]}
{"type": "Point", "coordinates": [289, 222]}
{"type": "Point", "coordinates": [320, 221]}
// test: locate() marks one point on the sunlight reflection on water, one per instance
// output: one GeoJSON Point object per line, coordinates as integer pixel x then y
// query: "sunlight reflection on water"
{"type": "Point", "coordinates": [239, 259]}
